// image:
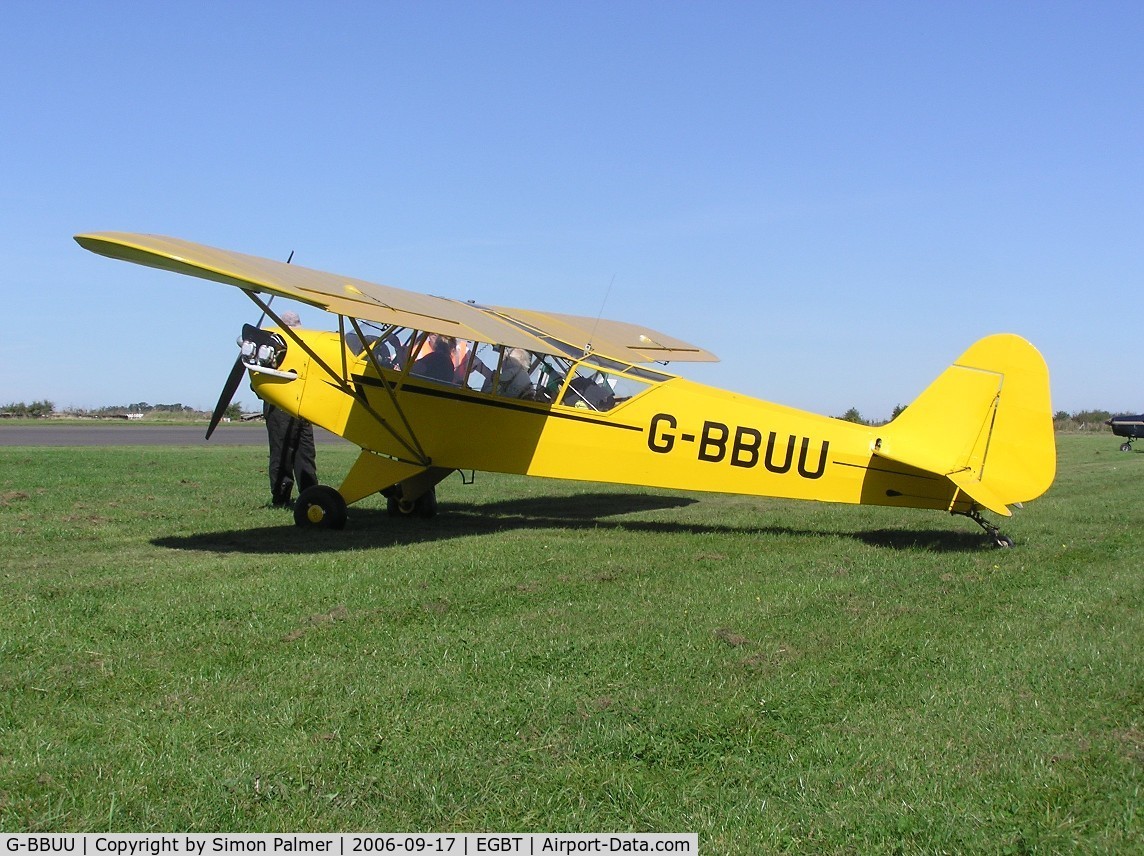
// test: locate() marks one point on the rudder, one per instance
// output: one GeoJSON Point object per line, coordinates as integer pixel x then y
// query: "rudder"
{"type": "Point", "coordinates": [985, 423]}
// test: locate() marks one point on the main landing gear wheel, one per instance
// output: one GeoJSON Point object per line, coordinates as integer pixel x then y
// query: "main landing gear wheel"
{"type": "Point", "coordinates": [1126, 447]}
{"type": "Point", "coordinates": [424, 506]}
{"type": "Point", "coordinates": [320, 506]}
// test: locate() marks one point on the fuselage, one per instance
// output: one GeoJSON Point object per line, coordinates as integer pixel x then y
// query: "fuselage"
{"type": "Point", "coordinates": [587, 418]}
{"type": "Point", "coordinates": [1127, 426]}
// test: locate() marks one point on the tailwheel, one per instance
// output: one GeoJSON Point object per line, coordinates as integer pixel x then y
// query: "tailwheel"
{"type": "Point", "coordinates": [320, 506]}
{"type": "Point", "coordinates": [994, 533]}
{"type": "Point", "coordinates": [424, 506]}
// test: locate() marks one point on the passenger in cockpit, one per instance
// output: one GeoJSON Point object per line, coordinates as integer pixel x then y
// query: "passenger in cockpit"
{"type": "Point", "coordinates": [438, 363]}
{"type": "Point", "coordinates": [514, 380]}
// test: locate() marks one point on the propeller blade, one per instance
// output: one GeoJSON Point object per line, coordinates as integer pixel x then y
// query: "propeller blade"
{"type": "Point", "coordinates": [228, 391]}
{"type": "Point", "coordinates": [235, 377]}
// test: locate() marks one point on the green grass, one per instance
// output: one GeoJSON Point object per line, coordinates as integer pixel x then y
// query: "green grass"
{"type": "Point", "coordinates": [550, 656]}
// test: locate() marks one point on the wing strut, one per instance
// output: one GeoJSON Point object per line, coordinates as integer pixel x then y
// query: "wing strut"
{"type": "Point", "coordinates": [389, 390]}
{"type": "Point", "coordinates": [415, 449]}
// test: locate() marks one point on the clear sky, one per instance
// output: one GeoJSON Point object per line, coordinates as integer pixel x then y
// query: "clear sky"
{"type": "Point", "coordinates": [836, 198]}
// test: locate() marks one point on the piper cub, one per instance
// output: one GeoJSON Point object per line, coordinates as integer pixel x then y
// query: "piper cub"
{"type": "Point", "coordinates": [427, 385]}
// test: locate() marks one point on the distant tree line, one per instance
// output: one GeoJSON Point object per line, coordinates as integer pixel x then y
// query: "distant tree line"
{"type": "Point", "coordinates": [141, 407]}
{"type": "Point", "coordinates": [1082, 420]}
{"type": "Point", "coordinates": [35, 410]}
{"type": "Point", "coordinates": [44, 409]}
{"type": "Point", "coordinates": [852, 415]}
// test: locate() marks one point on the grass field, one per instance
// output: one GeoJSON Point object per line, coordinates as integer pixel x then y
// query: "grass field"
{"type": "Point", "coordinates": [549, 656]}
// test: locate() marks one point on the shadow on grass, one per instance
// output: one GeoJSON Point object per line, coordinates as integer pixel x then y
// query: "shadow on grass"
{"type": "Point", "coordinates": [927, 540]}
{"type": "Point", "coordinates": [370, 528]}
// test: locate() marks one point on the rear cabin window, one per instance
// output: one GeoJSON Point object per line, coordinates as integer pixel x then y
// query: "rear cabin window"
{"type": "Point", "coordinates": [599, 387]}
{"type": "Point", "coordinates": [517, 373]}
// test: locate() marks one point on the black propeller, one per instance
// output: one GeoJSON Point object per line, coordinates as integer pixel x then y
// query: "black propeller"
{"type": "Point", "coordinates": [228, 390]}
{"type": "Point", "coordinates": [234, 378]}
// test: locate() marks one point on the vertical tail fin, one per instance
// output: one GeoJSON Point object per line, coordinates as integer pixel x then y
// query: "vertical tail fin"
{"type": "Point", "coordinates": [986, 423]}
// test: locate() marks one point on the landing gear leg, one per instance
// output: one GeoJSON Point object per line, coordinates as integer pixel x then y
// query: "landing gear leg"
{"type": "Point", "coordinates": [991, 530]}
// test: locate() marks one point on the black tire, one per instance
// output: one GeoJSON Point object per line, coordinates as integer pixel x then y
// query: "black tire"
{"type": "Point", "coordinates": [320, 506]}
{"type": "Point", "coordinates": [1126, 447]}
{"type": "Point", "coordinates": [424, 506]}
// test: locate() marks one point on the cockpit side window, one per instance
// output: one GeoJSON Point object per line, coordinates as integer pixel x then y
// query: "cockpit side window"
{"type": "Point", "coordinates": [597, 386]}
{"type": "Point", "coordinates": [356, 345]}
{"type": "Point", "coordinates": [482, 367]}
{"type": "Point", "coordinates": [436, 357]}
{"type": "Point", "coordinates": [530, 375]}
{"type": "Point", "coordinates": [548, 374]}
{"type": "Point", "coordinates": [476, 366]}
{"type": "Point", "coordinates": [389, 344]}
{"type": "Point", "coordinates": [398, 346]}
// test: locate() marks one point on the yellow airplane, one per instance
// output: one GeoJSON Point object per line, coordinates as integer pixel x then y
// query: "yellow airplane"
{"type": "Point", "coordinates": [428, 385]}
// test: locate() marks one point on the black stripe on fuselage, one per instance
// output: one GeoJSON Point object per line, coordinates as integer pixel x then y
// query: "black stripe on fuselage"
{"type": "Point", "coordinates": [450, 394]}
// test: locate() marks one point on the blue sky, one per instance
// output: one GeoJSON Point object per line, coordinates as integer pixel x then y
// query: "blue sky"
{"type": "Point", "coordinates": [837, 198]}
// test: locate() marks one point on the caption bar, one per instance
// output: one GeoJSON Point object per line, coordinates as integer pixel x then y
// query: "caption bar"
{"type": "Point", "coordinates": [346, 844]}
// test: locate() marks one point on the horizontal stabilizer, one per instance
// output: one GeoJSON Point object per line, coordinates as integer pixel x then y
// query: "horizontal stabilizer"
{"type": "Point", "coordinates": [982, 495]}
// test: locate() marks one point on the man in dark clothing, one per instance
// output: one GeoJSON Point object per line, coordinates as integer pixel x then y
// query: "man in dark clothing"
{"type": "Point", "coordinates": [292, 453]}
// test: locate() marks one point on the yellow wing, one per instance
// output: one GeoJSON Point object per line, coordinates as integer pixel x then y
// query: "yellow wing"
{"type": "Point", "coordinates": [618, 338]}
{"type": "Point", "coordinates": [383, 304]}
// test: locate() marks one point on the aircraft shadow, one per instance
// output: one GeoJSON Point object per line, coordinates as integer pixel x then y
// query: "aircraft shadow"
{"type": "Point", "coordinates": [370, 528]}
{"type": "Point", "coordinates": [927, 540]}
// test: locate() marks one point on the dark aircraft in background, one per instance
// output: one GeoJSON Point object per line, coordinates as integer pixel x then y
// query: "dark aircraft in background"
{"type": "Point", "coordinates": [1131, 427]}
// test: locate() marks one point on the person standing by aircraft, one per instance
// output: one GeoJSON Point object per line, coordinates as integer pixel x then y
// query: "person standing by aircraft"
{"type": "Point", "coordinates": [292, 453]}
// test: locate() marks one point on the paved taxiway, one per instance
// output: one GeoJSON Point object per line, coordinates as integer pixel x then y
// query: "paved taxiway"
{"type": "Point", "coordinates": [126, 434]}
